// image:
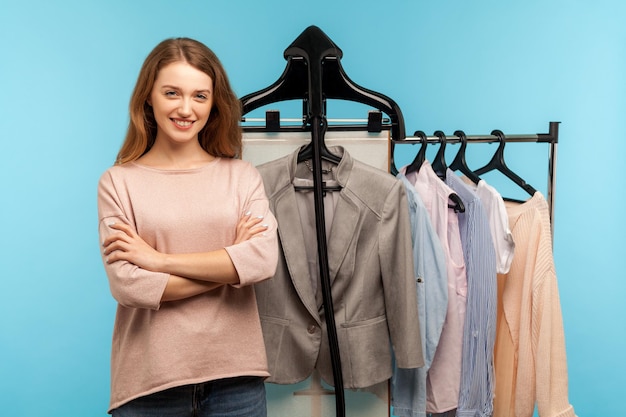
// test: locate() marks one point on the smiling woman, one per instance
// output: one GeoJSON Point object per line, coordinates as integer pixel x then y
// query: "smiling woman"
{"type": "Point", "coordinates": [68, 71]}
{"type": "Point", "coordinates": [181, 102]}
{"type": "Point", "coordinates": [186, 230]}
{"type": "Point", "coordinates": [219, 135]}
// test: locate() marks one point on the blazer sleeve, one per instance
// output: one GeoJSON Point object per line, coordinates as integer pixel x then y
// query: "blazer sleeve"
{"type": "Point", "coordinates": [396, 260]}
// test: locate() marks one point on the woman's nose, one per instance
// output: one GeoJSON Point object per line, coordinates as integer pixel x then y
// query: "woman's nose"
{"type": "Point", "coordinates": [185, 107]}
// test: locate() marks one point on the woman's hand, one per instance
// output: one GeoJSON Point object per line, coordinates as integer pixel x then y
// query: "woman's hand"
{"type": "Point", "coordinates": [126, 245]}
{"type": "Point", "coordinates": [249, 227]}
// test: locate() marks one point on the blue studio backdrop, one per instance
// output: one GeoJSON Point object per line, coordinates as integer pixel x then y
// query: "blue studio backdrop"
{"type": "Point", "coordinates": [67, 70]}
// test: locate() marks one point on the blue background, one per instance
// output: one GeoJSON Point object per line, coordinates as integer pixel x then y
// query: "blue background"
{"type": "Point", "coordinates": [66, 74]}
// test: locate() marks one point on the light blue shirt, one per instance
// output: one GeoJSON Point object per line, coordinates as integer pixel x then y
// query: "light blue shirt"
{"type": "Point", "coordinates": [477, 373]}
{"type": "Point", "coordinates": [409, 385]}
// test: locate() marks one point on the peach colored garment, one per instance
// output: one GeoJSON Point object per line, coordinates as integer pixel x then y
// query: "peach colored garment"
{"type": "Point", "coordinates": [530, 360]}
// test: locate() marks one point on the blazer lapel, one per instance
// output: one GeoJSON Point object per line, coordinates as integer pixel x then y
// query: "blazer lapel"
{"type": "Point", "coordinates": [294, 248]}
{"type": "Point", "coordinates": [345, 221]}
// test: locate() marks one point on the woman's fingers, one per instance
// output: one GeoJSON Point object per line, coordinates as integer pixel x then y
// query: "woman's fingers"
{"type": "Point", "coordinates": [248, 227]}
{"type": "Point", "coordinates": [125, 244]}
{"type": "Point", "coordinates": [123, 227]}
{"type": "Point", "coordinates": [122, 235]}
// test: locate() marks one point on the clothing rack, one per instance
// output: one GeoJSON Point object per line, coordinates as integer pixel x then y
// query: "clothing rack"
{"type": "Point", "coordinates": [551, 138]}
{"type": "Point", "coordinates": [314, 74]}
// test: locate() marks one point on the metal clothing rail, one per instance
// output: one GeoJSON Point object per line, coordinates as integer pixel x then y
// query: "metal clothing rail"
{"type": "Point", "coordinates": [300, 120]}
{"type": "Point", "coordinates": [552, 138]}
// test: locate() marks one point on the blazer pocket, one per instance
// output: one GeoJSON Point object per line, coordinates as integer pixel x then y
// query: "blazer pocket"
{"type": "Point", "coordinates": [369, 352]}
{"type": "Point", "coordinates": [273, 333]}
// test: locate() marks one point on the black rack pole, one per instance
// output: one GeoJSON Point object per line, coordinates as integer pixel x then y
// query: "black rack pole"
{"type": "Point", "coordinates": [554, 140]}
{"type": "Point", "coordinates": [315, 49]}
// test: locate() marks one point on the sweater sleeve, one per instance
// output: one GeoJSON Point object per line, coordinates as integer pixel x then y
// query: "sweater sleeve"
{"type": "Point", "coordinates": [542, 366]}
{"type": "Point", "coordinates": [255, 259]}
{"type": "Point", "coordinates": [551, 362]}
{"type": "Point", "coordinates": [130, 285]}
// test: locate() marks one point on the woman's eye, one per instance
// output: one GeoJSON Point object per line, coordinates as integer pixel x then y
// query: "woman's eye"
{"type": "Point", "coordinates": [202, 96]}
{"type": "Point", "coordinates": [170, 93]}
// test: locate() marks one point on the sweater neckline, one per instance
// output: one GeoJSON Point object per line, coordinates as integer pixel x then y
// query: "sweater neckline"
{"type": "Point", "coordinates": [178, 170]}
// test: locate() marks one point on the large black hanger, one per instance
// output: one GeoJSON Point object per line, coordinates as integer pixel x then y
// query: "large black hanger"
{"type": "Point", "coordinates": [497, 163]}
{"type": "Point", "coordinates": [459, 163]}
{"type": "Point", "coordinates": [295, 83]}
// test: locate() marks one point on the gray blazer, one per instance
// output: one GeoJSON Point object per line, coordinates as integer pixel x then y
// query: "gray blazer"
{"type": "Point", "coordinates": [372, 280]}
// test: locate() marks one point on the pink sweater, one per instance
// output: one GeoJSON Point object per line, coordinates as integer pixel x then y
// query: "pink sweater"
{"type": "Point", "coordinates": [530, 361]}
{"type": "Point", "coordinates": [210, 336]}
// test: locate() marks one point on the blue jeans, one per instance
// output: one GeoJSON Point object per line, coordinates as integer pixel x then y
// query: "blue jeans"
{"type": "Point", "coordinates": [231, 397]}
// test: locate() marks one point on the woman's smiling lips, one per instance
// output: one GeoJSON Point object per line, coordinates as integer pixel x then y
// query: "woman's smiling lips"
{"type": "Point", "coordinates": [182, 124]}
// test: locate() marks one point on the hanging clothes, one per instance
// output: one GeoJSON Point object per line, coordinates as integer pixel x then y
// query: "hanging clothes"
{"type": "Point", "coordinates": [477, 374]}
{"type": "Point", "coordinates": [444, 375]}
{"type": "Point", "coordinates": [408, 386]}
{"type": "Point", "coordinates": [372, 281]}
{"type": "Point", "coordinates": [530, 359]}
{"type": "Point", "coordinates": [498, 218]}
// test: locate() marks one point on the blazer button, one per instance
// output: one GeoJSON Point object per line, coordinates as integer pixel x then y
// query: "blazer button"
{"type": "Point", "coordinates": [311, 329]}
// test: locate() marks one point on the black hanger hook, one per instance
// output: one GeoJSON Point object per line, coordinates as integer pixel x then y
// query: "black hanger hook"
{"type": "Point", "coordinates": [462, 139]}
{"type": "Point", "coordinates": [497, 163]}
{"type": "Point", "coordinates": [422, 136]}
{"type": "Point", "coordinates": [459, 163]}
{"type": "Point", "coordinates": [499, 154]}
{"type": "Point", "coordinates": [421, 154]}
{"type": "Point", "coordinates": [439, 163]}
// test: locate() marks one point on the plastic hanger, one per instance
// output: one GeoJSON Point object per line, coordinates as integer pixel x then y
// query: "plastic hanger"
{"type": "Point", "coordinates": [421, 154]}
{"type": "Point", "coordinates": [497, 163]}
{"type": "Point", "coordinates": [306, 153]}
{"type": "Point", "coordinates": [440, 168]}
{"type": "Point", "coordinates": [294, 82]}
{"type": "Point", "coordinates": [458, 205]}
{"type": "Point", "coordinates": [417, 163]}
{"type": "Point", "coordinates": [439, 162]}
{"type": "Point", "coordinates": [459, 163]}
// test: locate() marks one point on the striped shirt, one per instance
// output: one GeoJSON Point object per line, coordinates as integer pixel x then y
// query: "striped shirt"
{"type": "Point", "coordinates": [477, 372]}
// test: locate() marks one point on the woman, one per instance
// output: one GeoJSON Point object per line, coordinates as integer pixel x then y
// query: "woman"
{"type": "Point", "coordinates": [186, 231]}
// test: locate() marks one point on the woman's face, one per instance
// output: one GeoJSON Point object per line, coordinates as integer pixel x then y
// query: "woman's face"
{"type": "Point", "coordinates": [181, 99]}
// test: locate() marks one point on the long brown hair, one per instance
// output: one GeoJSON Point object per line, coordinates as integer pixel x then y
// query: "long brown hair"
{"type": "Point", "coordinates": [222, 134]}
